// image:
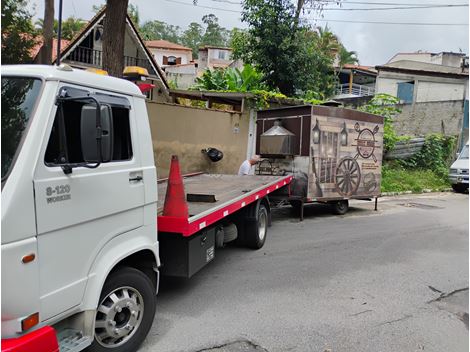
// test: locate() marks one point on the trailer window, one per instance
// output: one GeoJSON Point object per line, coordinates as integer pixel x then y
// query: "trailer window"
{"type": "Point", "coordinates": [72, 151]}
{"type": "Point", "coordinates": [19, 96]}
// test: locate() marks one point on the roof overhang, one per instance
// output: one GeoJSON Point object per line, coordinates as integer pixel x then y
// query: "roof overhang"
{"type": "Point", "coordinates": [462, 75]}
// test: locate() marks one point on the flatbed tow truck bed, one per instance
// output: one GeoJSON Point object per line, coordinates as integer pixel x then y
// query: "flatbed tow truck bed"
{"type": "Point", "coordinates": [222, 195]}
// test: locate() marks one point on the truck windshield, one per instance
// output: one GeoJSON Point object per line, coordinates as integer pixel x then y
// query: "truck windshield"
{"type": "Point", "coordinates": [464, 153]}
{"type": "Point", "coordinates": [19, 95]}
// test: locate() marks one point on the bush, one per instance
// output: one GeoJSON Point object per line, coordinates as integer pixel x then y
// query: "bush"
{"type": "Point", "coordinates": [385, 105]}
{"type": "Point", "coordinates": [436, 155]}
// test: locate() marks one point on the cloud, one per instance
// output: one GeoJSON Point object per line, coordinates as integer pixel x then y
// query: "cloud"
{"type": "Point", "coordinates": [375, 44]}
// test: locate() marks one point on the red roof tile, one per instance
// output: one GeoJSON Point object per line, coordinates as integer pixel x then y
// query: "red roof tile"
{"type": "Point", "coordinates": [165, 44]}
{"type": "Point", "coordinates": [63, 44]}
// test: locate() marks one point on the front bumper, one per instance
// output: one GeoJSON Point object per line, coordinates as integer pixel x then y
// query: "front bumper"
{"type": "Point", "coordinates": [41, 340]}
{"type": "Point", "coordinates": [458, 179]}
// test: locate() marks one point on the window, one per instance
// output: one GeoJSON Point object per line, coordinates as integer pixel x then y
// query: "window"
{"type": "Point", "coordinates": [222, 54]}
{"type": "Point", "coordinates": [328, 156]}
{"type": "Point", "coordinates": [19, 95]}
{"type": "Point", "coordinates": [68, 149]}
{"type": "Point", "coordinates": [405, 91]}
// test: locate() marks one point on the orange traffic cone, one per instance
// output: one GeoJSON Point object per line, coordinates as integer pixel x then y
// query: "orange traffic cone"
{"type": "Point", "coordinates": [175, 201]}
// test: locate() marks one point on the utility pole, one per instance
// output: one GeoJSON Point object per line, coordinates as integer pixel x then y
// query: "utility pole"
{"type": "Point", "coordinates": [59, 33]}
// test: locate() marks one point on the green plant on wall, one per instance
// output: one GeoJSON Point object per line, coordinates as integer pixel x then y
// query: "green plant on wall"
{"type": "Point", "coordinates": [385, 105]}
{"type": "Point", "coordinates": [436, 155]}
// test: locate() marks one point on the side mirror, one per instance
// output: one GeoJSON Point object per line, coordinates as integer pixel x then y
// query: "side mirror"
{"type": "Point", "coordinates": [457, 155]}
{"type": "Point", "coordinates": [88, 133]}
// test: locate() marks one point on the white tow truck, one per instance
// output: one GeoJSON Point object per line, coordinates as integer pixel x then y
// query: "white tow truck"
{"type": "Point", "coordinates": [81, 250]}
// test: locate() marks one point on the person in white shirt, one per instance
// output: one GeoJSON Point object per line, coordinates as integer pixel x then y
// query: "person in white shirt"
{"type": "Point", "coordinates": [246, 168]}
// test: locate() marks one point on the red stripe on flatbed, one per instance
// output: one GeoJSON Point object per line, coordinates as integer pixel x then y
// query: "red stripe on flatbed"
{"type": "Point", "coordinates": [187, 228]}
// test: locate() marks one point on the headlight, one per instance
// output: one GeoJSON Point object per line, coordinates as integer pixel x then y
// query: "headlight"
{"type": "Point", "coordinates": [453, 171]}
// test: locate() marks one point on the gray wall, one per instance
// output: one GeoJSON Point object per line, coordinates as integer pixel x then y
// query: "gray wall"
{"type": "Point", "coordinates": [419, 119]}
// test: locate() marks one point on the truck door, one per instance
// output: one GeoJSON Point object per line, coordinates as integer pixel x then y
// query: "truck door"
{"type": "Point", "coordinates": [79, 212]}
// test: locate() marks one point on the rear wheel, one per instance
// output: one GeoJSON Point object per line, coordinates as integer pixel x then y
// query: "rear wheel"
{"type": "Point", "coordinates": [339, 207]}
{"type": "Point", "coordinates": [258, 229]}
{"type": "Point", "coordinates": [125, 312]}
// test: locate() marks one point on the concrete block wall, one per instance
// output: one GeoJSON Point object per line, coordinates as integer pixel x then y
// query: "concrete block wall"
{"type": "Point", "coordinates": [420, 119]}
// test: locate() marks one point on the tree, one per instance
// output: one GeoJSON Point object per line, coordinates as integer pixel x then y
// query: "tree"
{"type": "Point", "coordinates": [133, 12]}
{"type": "Point", "coordinates": [113, 36]}
{"type": "Point", "coordinates": [45, 54]}
{"type": "Point", "coordinates": [347, 57]}
{"type": "Point", "coordinates": [70, 27]}
{"type": "Point", "coordinates": [192, 37]}
{"type": "Point", "coordinates": [156, 30]}
{"type": "Point", "coordinates": [214, 34]}
{"type": "Point", "coordinates": [286, 52]}
{"type": "Point", "coordinates": [18, 33]}
{"type": "Point", "coordinates": [314, 6]}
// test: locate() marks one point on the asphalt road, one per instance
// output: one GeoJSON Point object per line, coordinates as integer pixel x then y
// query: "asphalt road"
{"type": "Point", "coordinates": [392, 280]}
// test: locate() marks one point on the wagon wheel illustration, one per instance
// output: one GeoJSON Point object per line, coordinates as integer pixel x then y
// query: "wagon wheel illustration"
{"type": "Point", "coordinates": [347, 176]}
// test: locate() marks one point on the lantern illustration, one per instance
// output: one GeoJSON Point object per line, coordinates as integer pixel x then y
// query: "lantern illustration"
{"type": "Point", "coordinates": [344, 135]}
{"type": "Point", "coordinates": [316, 133]}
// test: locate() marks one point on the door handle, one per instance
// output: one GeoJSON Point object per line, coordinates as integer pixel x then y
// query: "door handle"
{"type": "Point", "coordinates": [136, 179]}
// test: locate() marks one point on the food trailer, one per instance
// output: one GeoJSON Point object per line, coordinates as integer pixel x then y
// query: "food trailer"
{"type": "Point", "coordinates": [335, 154]}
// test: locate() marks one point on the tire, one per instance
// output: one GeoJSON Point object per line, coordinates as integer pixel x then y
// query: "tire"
{"type": "Point", "coordinates": [339, 207]}
{"type": "Point", "coordinates": [257, 230]}
{"type": "Point", "coordinates": [125, 312]}
{"type": "Point", "coordinates": [459, 187]}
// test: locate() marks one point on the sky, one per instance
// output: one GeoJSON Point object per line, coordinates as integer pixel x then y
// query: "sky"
{"type": "Point", "coordinates": [374, 43]}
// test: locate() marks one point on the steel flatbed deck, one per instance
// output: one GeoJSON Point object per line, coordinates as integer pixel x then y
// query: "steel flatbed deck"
{"type": "Point", "coordinates": [224, 195]}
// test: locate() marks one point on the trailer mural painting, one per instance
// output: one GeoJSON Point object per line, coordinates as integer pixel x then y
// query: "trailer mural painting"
{"type": "Point", "coordinates": [337, 152]}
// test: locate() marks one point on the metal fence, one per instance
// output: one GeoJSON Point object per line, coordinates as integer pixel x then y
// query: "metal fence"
{"type": "Point", "coordinates": [355, 89]}
{"type": "Point", "coordinates": [95, 58]}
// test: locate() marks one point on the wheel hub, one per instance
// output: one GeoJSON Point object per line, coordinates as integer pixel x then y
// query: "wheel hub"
{"type": "Point", "coordinates": [118, 317]}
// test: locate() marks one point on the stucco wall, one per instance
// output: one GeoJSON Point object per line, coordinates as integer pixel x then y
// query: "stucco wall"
{"type": "Point", "coordinates": [426, 88]}
{"type": "Point", "coordinates": [182, 80]}
{"type": "Point", "coordinates": [159, 53]}
{"type": "Point", "coordinates": [184, 131]}
{"type": "Point", "coordinates": [420, 119]}
{"type": "Point", "coordinates": [436, 91]}
{"type": "Point", "coordinates": [387, 85]}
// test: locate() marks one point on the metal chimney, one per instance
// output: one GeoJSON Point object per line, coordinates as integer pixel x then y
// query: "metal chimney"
{"type": "Point", "coordinates": [277, 141]}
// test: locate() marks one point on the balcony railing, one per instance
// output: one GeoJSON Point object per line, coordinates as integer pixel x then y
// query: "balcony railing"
{"type": "Point", "coordinates": [356, 90]}
{"type": "Point", "coordinates": [95, 58]}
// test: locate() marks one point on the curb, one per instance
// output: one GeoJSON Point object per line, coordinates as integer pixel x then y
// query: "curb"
{"type": "Point", "coordinates": [387, 194]}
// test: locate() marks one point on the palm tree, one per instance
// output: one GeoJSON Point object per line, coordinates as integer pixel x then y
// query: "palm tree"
{"type": "Point", "coordinates": [70, 27]}
{"type": "Point", "coordinates": [326, 41]}
{"type": "Point", "coordinates": [347, 57]}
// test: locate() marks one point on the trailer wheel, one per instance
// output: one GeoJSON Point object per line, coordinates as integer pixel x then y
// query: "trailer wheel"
{"type": "Point", "coordinates": [125, 311]}
{"type": "Point", "coordinates": [339, 207]}
{"type": "Point", "coordinates": [258, 229]}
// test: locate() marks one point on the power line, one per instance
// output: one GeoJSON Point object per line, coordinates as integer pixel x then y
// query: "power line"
{"type": "Point", "coordinates": [326, 20]}
{"type": "Point", "coordinates": [204, 7]}
{"type": "Point", "coordinates": [397, 23]}
{"type": "Point", "coordinates": [382, 3]}
{"type": "Point", "coordinates": [395, 8]}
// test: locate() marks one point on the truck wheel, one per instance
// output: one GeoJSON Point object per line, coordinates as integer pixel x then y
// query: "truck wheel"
{"type": "Point", "coordinates": [125, 311]}
{"type": "Point", "coordinates": [256, 234]}
{"type": "Point", "coordinates": [339, 207]}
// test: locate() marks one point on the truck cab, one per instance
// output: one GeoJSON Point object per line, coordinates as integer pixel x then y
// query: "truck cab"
{"type": "Point", "coordinates": [79, 197]}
